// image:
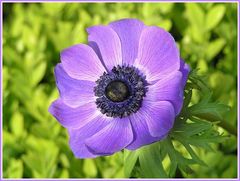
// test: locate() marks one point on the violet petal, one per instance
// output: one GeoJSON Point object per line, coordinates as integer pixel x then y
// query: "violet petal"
{"type": "Point", "coordinates": [78, 136]}
{"type": "Point", "coordinates": [108, 43]}
{"type": "Point", "coordinates": [73, 117]}
{"type": "Point", "coordinates": [158, 54]}
{"type": "Point", "coordinates": [114, 137]}
{"type": "Point", "coordinates": [81, 62]}
{"type": "Point", "coordinates": [129, 31]}
{"type": "Point", "coordinates": [168, 89]}
{"type": "Point", "coordinates": [73, 92]}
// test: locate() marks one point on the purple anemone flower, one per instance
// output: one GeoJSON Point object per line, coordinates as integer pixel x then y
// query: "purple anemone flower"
{"type": "Point", "coordinates": [121, 91]}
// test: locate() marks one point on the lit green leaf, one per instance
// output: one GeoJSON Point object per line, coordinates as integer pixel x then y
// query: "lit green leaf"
{"type": "Point", "coordinates": [202, 66]}
{"type": "Point", "coordinates": [52, 8]}
{"type": "Point", "coordinates": [214, 16]}
{"type": "Point", "coordinates": [166, 8]}
{"type": "Point", "coordinates": [166, 24]}
{"type": "Point", "coordinates": [195, 14]}
{"type": "Point", "coordinates": [17, 124]}
{"type": "Point", "coordinates": [5, 77]}
{"type": "Point", "coordinates": [64, 174]}
{"type": "Point", "coordinates": [214, 48]}
{"type": "Point", "coordinates": [64, 160]}
{"type": "Point", "coordinates": [15, 169]}
{"type": "Point", "coordinates": [89, 168]}
{"type": "Point", "coordinates": [38, 73]}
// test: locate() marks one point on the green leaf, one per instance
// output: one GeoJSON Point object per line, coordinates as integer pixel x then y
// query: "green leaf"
{"type": "Point", "coordinates": [64, 174]}
{"type": "Point", "coordinates": [17, 124]}
{"type": "Point", "coordinates": [187, 99]}
{"type": "Point", "coordinates": [202, 139]}
{"type": "Point", "coordinates": [195, 14]}
{"type": "Point", "coordinates": [177, 159]}
{"type": "Point", "coordinates": [214, 48]}
{"type": "Point", "coordinates": [6, 77]}
{"type": "Point", "coordinates": [64, 160]}
{"type": "Point", "coordinates": [15, 169]}
{"type": "Point", "coordinates": [197, 82]}
{"type": "Point", "coordinates": [214, 16]}
{"type": "Point", "coordinates": [166, 8]}
{"type": "Point", "coordinates": [192, 152]}
{"type": "Point", "coordinates": [217, 78]}
{"type": "Point", "coordinates": [165, 24]}
{"type": "Point", "coordinates": [151, 162]}
{"type": "Point", "coordinates": [190, 129]}
{"type": "Point", "coordinates": [202, 66]}
{"type": "Point", "coordinates": [211, 110]}
{"type": "Point", "coordinates": [38, 73]}
{"type": "Point", "coordinates": [130, 159]}
{"type": "Point", "coordinates": [89, 168]}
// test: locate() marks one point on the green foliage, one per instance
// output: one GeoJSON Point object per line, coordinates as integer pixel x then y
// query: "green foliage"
{"type": "Point", "coordinates": [35, 145]}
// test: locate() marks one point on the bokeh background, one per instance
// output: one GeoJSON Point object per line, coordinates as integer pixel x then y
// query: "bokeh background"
{"type": "Point", "coordinates": [35, 145]}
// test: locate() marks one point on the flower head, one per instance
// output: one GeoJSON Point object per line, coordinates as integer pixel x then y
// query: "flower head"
{"type": "Point", "coordinates": [122, 90]}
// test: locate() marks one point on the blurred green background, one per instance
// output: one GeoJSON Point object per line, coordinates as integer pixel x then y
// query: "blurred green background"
{"type": "Point", "coordinates": [34, 143]}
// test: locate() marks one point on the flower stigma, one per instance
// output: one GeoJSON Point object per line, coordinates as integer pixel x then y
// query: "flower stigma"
{"type": "Point", "coordinates": [117, 91]}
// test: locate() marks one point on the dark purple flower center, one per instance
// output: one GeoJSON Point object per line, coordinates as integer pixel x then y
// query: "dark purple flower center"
{"type": "Point", "coordinates": [120, 92]}
{"type": "Point", "coordinates": [117, 91]}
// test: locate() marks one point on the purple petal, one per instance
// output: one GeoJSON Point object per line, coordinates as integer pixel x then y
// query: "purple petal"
{"type": "Point", "coordinates": [78, 136]}
{"type": "Point", "coordinates": [81, 62]}
{"type": "Point", "coordinates": [95, 47]}
{"type": "Point", "coordinates": [108, 43]}
{"type": "Point", "coordinates": [72, 91]}
{"type": "Point", "coordinates": [141, 131]}
{"type": "Point", "coordinates": [158, 54]}
{"type": "Point", "coordinates": [185, 69]}
{"type": "Point", "coordinates": [114, 137]}
{"type": "Point", "coordinates": [159, 117]}
{"type": "Point", "coordinates": [129, 31]}
{"type": "Point", "coordinates": [168, 89]}
{"type": "Point", "coordinates": [73, 117]}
